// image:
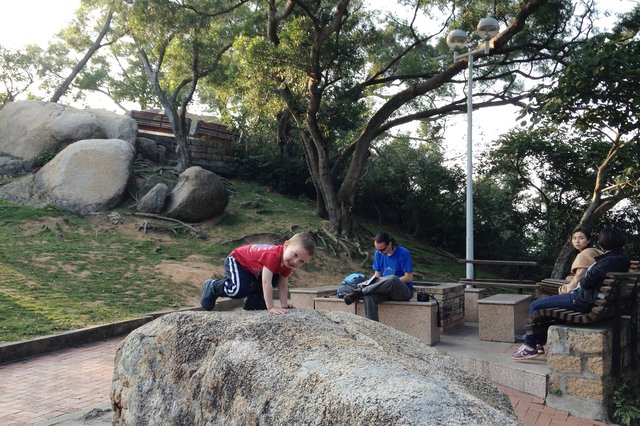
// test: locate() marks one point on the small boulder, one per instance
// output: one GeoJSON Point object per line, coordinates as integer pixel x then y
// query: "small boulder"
{"type": "Point", "coordinates": [199, 195]}
{"type": "Point", "coordinates": [145, 185]}
{"type": "Point", "coordinates": [154, 200]}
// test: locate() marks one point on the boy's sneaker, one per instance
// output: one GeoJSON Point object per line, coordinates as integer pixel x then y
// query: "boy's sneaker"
{"type": "Point", "coordinates": [525, 352]}
{"type": "Point", "coordinates": [540, 349]}
{"type": "Point", "coordinates": [208, 297]}
{"type": "Point", "coordinates": [254, 302]}
{"type": "Point", "coordinates": [353, 296]}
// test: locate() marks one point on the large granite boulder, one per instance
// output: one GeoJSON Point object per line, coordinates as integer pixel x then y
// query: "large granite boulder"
{"type": "Point", "coordinates": [30, 128]}
{"type": "Point", "coordinates": [302, 368]}
{"type": "Point", "coordinates": [89, 175]}
{"type": "Point", "coordinates": [199, 195]}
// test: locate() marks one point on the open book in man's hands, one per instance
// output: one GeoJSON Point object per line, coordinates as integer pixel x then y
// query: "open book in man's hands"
{"type": "Point", "coordinates": [371, 280]}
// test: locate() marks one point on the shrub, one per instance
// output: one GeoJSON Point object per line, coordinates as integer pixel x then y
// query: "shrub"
{"type": "Point", "coordinates": [44, 157]}
{"type": "Point", "coordinates": [626, 403]}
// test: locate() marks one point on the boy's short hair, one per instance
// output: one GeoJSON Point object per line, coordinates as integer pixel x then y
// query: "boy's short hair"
{"type": "Point", "coordinates": [305, 240]}
{"type": "Point", "coordinates": [611, 239]}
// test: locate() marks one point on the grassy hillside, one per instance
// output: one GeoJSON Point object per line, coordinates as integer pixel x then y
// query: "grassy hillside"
{"type": "Point", "coordinates": [60, 271]}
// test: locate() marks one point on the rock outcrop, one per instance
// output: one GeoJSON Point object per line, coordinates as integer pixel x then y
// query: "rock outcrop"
{"type": "Point", "coordinates": [89, 175]}
{"type": "Point", "coordinates": [30, 128]}
{"type": "Point", "coordinates": [305, 367]}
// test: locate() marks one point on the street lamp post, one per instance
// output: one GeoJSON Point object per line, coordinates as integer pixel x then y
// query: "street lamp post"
{"type": "Point", "coordinates": [456, 40]}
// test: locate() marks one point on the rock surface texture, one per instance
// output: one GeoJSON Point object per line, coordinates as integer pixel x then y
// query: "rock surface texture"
{"type": "Point", "coordinates": [90, 175]}
{"type": "Point", "coordinates": [302, 368]}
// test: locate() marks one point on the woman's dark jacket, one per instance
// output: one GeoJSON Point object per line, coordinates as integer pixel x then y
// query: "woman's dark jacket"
{"type": "Point", "coordinates": [585, 295]}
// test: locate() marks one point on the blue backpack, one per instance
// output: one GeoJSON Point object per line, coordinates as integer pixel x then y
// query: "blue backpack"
{"type": "Point", "coordinates": [349, 284]}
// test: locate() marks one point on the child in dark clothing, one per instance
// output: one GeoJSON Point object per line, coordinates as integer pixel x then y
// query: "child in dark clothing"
{"type": "Point", "coordinates": [251, 272]}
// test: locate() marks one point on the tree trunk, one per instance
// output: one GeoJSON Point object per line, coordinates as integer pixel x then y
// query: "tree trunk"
{"type": "Point", "coordinates": [184, 159]}
{"type": "Point", "coordinates": [180, 131]}
{"type": "Point", "coordinates": [563, 261]}
{"type": "Point", "coordinates": [284, 131]}
{"type": "Point", "coordinates": [80, 65]}
{"type": "Point", "coordinates": [596, 208]}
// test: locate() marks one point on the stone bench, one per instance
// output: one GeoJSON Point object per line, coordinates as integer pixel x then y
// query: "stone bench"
{"type": "Point", "coordinates": [304, 297]}
{"type": "Point", "coordinates": [418, 319]}
{"type": "Point", "coordinates": [502, 316]}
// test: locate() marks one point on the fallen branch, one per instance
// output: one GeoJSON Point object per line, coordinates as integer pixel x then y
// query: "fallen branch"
{"type": "Point", "coordinates": [169, 219]}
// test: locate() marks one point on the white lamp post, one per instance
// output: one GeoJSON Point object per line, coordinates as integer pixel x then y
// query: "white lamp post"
{"type": "Point", "coordinates": [456, 40]}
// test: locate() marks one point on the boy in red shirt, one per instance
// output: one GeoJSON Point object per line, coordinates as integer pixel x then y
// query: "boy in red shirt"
{"type": "Point", "coordinates": [253, 270]}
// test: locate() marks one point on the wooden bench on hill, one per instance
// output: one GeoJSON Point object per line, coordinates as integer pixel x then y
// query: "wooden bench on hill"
{"type": "Point", "coordinates": [518, 283]}
{"type": "Point", "coordinates": [213, 131]}
{"type": "Point", "coordinates": [154, 122]}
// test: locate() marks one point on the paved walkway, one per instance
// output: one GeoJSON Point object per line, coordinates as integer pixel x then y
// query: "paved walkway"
{"type": "Point", "coordinates": [46, 387]}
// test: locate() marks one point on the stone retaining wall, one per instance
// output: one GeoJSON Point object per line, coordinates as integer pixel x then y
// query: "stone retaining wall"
{"type": "Point", "coordinates": [214, 155]}
{"type": "Point", "coordinates": [450, 297]}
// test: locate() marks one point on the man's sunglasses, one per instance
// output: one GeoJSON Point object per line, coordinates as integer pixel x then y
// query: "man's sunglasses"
{"type": "Point", "coordinates": [382, 250]}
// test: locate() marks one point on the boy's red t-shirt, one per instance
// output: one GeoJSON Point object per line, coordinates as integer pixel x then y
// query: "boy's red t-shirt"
{"type": "Point", "coordinates": [253, 257]}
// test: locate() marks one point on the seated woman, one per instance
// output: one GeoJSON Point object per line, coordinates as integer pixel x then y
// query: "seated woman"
{"type": "Point", "coordinates": [583, 297]}
{"type": "Point", "coordinates": [581, 240]}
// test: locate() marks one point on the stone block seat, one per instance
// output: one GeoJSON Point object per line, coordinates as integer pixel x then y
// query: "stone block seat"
{"type": "Point", "coordinates": [502, 316]}
{"type": "Point", "coordinates": [304, 297]}
{"type": "Point", "coordinates": [418, 319]}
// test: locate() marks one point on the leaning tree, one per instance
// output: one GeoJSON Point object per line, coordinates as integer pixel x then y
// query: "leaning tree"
{"type": "Point", "coordinates": [597, 94]}
{"type": "Point", "coordinates": [347, 78]}
{"type": "Point", "coordinates": [579, 158]}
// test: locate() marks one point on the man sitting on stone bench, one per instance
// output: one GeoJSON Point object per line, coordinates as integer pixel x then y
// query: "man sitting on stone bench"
{"type": "Point", "coordinates": [580, 299]}
{"type": "Point", "coordinates": [393, 276]}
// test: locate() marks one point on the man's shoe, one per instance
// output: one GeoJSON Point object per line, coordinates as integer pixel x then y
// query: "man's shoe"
{"type": "Point", "coordinates": [208, 297]}
{"type": "Point", "coordinates": [353, 296]}
{"type": "Point", "coordinates": [540, 349]}
{"type": "Point", "coordinates": [525, 352]}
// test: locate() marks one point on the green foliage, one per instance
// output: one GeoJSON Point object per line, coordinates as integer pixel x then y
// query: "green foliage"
{"type": "Point", "coordinates": [44, 157]}
{"type": "Point", "coordinates": [594, 89]}
{"type": "Point", "coordinates": [626, 403]}
{"type": "Point", "coordinates": [285, 172]}
{"type": "Point", "coordinates": [547, 177]}
{"type": "Point", "coordinates": [410, 186]}
{"type": "Point", "coordinates": [499, 227]}
{"type": "Point", "coordinates": [18, 72]}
